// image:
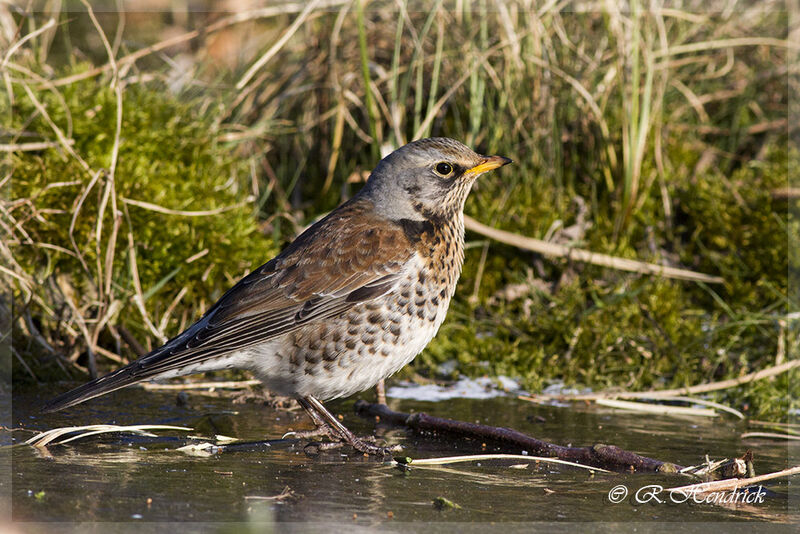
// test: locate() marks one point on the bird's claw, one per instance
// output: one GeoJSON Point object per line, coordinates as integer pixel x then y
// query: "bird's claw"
{"type": "Point", "coordinates": [363, 445]}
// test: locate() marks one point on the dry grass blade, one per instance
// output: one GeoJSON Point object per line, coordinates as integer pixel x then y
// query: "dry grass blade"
{"type": "Point", "coordinates": [287, 493]}
{"type": "Point", "coordinates": [726, 43]}
{"type": "Point", "coordinates": [665, 393]}
{"type": "Point", "coordinates": [434, 109]}
{"type": "Point", "coordinates": [32, 147]}
{"type": "Point", "coordinates": [16, 46]}
{"type": "Point", "coordinates": [775, 424]}
{"type": "Point", "coordinates": [301, 18]}
{"type": "Point", "coordinates": [660, 408]}
{"type": "Point", "coordinates": [477, 457]}
{"type": "Point", "coordinates": [240, 384]}
{"type": "Point", "coordinates": [49, 437]}
{"type": "Point", "coordinates": [656, 408]}
{"type": "Point", "coordinates": [732, 484]}
{"type": "Point", "coordinates": [25, 282]}
{"type": "Point", "coordinates": [138, 297]}
{"type": "Point", "coordinates": [704, 402]}
{"type": "Point", "coordinates": [786, 192]}
{"type": "Point", "coordinates": [588, 98]}
{"type": "Point", "coordinates": [770, 435]}
{"type": "Point", "coordinates": [64, 141]}
{"type": "Point", "coordinates": [603, 260]}
{"type": "Point", "coordinates": [183, 213]}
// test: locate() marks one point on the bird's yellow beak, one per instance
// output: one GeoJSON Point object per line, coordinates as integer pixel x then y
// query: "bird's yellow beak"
{"type": "Point", "coordinates": [487, 164]}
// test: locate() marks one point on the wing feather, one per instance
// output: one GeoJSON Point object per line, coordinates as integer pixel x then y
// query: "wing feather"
{"type": "Point", "coordinates": [348, 257]}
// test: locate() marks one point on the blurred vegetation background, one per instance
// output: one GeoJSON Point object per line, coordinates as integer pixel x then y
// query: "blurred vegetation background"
{"type": "Point", "coordinates": [155, 152]}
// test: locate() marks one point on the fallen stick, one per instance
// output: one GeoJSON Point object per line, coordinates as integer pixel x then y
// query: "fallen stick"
{"type": "Point", "coordinates": [604, 456]}
{"type": "Point", "coordinates": [577, 254]}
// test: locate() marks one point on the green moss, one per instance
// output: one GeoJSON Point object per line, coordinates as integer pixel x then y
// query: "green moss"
{"type": "Point", "coordinates": [607, 329]}
{"type": "Point", "coordinates": [737, 228]}
{"type": "Point", "coordinates": [168, 156]}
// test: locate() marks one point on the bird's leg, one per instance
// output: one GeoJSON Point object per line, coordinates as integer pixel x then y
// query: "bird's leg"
{"type": "Point", "coordinates": [323, 418]}
{"type": "Point", "coordinates": [380, 390]}
{"type": "Point", "coordinates": [321, 427]}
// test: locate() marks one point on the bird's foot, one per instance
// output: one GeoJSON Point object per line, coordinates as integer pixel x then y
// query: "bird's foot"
{"type": "Point", "coordinates": [365, 445]}
{"type": "Point", "coordinates": [328, 425]}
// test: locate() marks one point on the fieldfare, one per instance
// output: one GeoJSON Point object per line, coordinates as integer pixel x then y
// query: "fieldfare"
{"type": "Point", "coordinates": [349, 302]}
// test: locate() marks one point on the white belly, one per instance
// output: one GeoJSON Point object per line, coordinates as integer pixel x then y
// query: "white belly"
{"type": "Point", "coordinates": [352, 373]}
{"type": "Point", "coordinates": [330, 359]}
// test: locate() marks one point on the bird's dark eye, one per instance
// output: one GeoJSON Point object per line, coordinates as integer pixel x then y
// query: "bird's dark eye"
{"type": "Point", "coordinates": [444, 168]}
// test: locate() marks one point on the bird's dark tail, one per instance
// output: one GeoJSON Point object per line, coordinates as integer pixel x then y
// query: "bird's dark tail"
{"type": "Point", "coordinates": [100, 386]}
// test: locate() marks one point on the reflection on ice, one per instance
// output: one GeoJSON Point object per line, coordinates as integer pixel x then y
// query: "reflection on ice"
{"type": "Point", "coordinates": [465, 388]}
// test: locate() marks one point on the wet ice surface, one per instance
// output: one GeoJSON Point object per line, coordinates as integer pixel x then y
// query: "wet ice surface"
{"type": "Point", "coordinates": [464, 388]}
{"type": "Point", "coordinates": [132, 479]}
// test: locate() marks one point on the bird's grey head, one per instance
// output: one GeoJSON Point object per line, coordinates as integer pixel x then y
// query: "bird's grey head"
{"type": "Point", "coordinates": [426, 179]}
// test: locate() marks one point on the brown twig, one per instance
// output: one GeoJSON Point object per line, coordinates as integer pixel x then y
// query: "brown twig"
{"type": "Point", "coordinates": [598, 455]}
{"type": "Point", "coordinates": [604, 260]}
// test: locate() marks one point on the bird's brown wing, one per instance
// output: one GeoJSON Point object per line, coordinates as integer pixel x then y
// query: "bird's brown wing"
{"type": "Point", "coordinates": [348, 257]}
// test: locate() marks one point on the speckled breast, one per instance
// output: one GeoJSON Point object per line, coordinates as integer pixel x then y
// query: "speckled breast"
{"type": "Point", "coordinates": [375, 339]}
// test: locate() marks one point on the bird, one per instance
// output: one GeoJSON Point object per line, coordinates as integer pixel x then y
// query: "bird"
{"type": "Point", "coordinates": [349, 302]}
